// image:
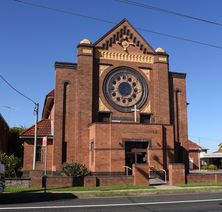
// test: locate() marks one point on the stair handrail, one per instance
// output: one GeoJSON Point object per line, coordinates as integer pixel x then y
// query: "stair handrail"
{"type": "Point", "coordinates": [127, 170]}
{"type": "Point", "coordinates": [164, 171]}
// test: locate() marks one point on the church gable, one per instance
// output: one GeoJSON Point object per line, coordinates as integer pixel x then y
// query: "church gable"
{"type": "Point", "coordinates": [124, 38]}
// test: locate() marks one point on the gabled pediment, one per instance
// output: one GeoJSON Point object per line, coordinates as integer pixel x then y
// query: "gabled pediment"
{"type": "Point", "coordinates": [124, 37]}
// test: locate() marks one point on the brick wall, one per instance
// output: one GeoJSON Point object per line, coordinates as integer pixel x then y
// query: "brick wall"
{"type": "Point", "coordinates": [65, 130]}
{"type": "Point", "coordinates": [179, 117]}
{"type": "Point", "coordinates": [57, 181]}
{"type": "Point", "coordinates": [176, 174]}
{"type": "Point", "coordinates": [195, 155]}
{"type": "Point", "coordinates": [204, 178]}
{"type": "Point", "coordinates": [109, 150]}
{"type": "Point", "coordinates": [28, 156]}
{"type": "Point", "coordinates": [140, 173]}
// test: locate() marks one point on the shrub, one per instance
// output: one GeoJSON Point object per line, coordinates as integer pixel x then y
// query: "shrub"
{"type": "Point", "coordinates": [75, 169]}
{"type": "Point", "coordinates": [204, 167]}
{"type": "Point", "coordinates": [12, 165]}
{"type": "Point", "coordinates": [212, 167]}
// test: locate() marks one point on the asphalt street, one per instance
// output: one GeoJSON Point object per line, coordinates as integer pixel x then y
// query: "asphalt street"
{"type": "Point", "coordinates": [201, 202]}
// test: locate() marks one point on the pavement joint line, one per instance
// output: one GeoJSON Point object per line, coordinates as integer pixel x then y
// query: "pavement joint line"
{"type": "Point", "coordinates": [112, 205]}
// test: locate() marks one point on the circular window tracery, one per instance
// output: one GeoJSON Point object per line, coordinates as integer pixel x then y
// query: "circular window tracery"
{"type": "Point", "coordinates": [124, 87]}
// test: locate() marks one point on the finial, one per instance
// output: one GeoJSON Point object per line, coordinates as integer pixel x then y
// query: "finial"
{"type": "Point", "coordinates": [85, 41]}
{"type": "Point", "coordinates": [159, 49]}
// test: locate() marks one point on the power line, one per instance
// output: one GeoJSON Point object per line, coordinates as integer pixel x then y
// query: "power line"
{"type": "Point", "coordinates": [36, 110]}
{"type": "Point", "coordinates": [111, 22]}
{"type": "Point", "coordinates": [158, 9]}
{"type": "Point", "coordinates": [16, 90]}
{"type": "Point", "coordinates": [64, 11]}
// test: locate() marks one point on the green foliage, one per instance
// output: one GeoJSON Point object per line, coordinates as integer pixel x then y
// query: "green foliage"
{"type": "Point", "coordinates": [12, 164]}
{"type": "Point", "coordinates": [209, 167]}
{"type": "Point", "coordinates": [204, 167]}
{"type": "Point", "coordinates": [75, 169]}
{"type": "Point", "coordinates": [14, 143]}
{"type": "Point", "coordinates": [212, 167]}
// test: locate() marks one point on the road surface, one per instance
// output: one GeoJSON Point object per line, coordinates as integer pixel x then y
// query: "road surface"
{"type": "Point", "coordinates": [195, 202]}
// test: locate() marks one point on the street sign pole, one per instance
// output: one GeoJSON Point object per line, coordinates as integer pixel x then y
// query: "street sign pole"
{"type": "Point", "coordinates": [44, 144]}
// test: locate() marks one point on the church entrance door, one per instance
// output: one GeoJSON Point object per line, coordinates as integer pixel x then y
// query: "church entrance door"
{"type": "Point", "coordinates": [135, 152]}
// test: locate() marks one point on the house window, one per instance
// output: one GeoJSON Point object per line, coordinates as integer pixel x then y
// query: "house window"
{"type": "Point", "coordinates": [39, 154]}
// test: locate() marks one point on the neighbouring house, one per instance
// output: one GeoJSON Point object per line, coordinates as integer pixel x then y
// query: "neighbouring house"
{"type": "Point", "coordinates": [214, 158]}
{"type": "Point", "coordinates": [195, 153]}
{"type": "Point", "coordinates": [118, 108]}
{"type": "Point", "coordinates": [4, 130]}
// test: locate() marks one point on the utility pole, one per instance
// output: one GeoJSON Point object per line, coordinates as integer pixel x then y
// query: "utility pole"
{"type": "Point", "coordinates": [36, 110]}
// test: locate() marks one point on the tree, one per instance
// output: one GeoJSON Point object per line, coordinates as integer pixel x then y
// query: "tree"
{"type": "Point", "coordinates": [14, 143]}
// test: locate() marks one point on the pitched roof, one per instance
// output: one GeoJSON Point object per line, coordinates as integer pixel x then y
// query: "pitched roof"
{"type": "Point", "coordinates": [194, 146]}
{"type": "Point", "coordinates": [124, 28]}
{"type": "Point", "coordinates": [219, 149]}
{"type": "Point", "coordinates": [51, 93]}
{"type": "Point", "coordinates": [44, 129]}
{"type": "Point", "coordinates": [49, 101]}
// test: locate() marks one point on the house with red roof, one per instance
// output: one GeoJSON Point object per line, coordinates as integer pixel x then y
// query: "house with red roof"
{"type": "Point", "coordinates": [45, 129]}
{"type": "Point", "coordinates": [195, 153]}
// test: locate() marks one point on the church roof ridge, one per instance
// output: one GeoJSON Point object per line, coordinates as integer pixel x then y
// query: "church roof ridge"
{"type": "Point", "coordinates": [112, 29]}
{"type": "Point", "coordinates": [137, 37]}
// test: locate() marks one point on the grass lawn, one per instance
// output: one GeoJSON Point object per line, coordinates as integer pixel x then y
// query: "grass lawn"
{"type": "Point", "coordinates": [200, 184]}
{"type": "Point", "coordinates": [100, 188]}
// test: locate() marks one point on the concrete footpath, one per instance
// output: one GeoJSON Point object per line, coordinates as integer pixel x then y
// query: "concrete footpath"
{"type": "Point", "coordinates": [55, 195]}
{"type": "Point", "coordinates": [145, 191]}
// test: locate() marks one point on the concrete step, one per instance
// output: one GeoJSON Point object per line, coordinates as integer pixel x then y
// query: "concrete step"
{"type": "Point", "coordinates": [156, 181]}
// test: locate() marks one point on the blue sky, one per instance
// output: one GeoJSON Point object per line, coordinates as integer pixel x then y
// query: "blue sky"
{"type": "Point", "coordinates": [32, 39]}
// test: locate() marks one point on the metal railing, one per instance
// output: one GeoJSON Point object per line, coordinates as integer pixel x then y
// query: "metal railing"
{"type": "Point", "coordinates": [127, 168]}
{"type": "Point", "coordinates": [156, 170]}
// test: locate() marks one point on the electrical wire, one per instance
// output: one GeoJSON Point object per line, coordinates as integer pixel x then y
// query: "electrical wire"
{"type": "Point", "coordinates": [111, 22]}
{"type": "Point", "coordinates": [64, 11]}
{"type": "Point", "coordinates": [16, 90]}
{"type": "Point", "coordinates": [158, 9]}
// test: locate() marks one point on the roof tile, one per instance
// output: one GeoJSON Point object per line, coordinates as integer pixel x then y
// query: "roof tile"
{"type": "Point", "coordinates": [51, 93]}
{"type": "Point", "coordinates": [44, 129]}
{"type": "Point", "coordinates": [194, 146]}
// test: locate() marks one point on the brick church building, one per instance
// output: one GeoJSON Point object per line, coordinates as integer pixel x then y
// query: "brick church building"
{"type": "Point", "coordinates": [118, 107]}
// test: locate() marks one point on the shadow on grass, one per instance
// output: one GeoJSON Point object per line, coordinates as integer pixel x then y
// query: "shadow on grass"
{"type": "Point", "coordinates": [29, 197]}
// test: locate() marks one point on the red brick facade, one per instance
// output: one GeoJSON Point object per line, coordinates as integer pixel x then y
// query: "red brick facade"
{"type": "Point", "coordinates": [176, 174]}
{"type": "Point", "coordinates": [87, 129]}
